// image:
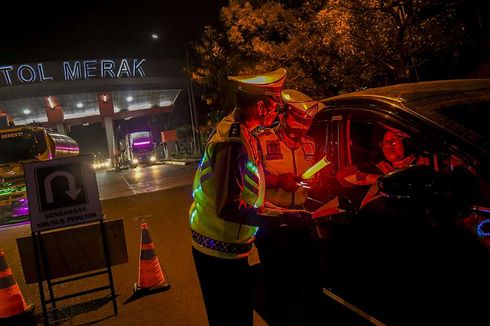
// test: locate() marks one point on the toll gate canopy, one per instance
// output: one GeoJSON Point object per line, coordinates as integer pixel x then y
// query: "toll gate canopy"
{"type": "Point", "coordinates": [85, 91]}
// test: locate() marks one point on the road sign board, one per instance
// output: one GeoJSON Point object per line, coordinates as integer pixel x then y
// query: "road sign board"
{"type": "Point", "coordinates": [62, 192]}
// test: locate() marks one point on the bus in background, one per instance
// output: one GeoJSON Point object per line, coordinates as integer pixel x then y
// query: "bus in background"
{"type": "Point", "coordinates": [18, 145]}
{"type": "Point", "coordinates": [137, 148]}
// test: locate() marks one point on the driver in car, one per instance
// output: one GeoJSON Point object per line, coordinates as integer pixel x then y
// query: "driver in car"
{"type": "Point", "coordinates": [396, 156]}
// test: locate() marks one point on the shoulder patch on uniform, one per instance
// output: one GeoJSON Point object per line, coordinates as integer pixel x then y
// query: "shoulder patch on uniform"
{"type": "Point", "coordinates": [273, 150]}
{"type": "Point", "coordinates": [261, 131]}
{"type": "Point", "coordinates": [308, 148]}
{"type": "Point", "coordinates": [234, 130]}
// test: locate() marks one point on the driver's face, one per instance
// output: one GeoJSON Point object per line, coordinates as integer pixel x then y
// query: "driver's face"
{"type": "Point", "coordinates": [392, 146]}
{"type": "Point", "coordinates": [269, 112]}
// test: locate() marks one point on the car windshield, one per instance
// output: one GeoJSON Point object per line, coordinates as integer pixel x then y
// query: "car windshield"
{"type": "Point", "coordinates": [473, 117]}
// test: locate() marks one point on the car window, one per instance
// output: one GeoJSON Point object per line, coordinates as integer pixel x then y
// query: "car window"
{"type": "Point", "coordinates": [324, 131]}
{"type": "Point", "coordinates": [377, 147]}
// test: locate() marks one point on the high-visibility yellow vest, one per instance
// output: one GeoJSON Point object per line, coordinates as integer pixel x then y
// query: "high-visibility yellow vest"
{"type": "Point", "coordinates": [211, 234]}
{"type": "Point", "coordinates": [277, 158]}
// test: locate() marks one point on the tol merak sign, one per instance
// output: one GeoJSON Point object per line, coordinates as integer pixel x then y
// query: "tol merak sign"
{"type": "Point", "coordinates": [70, 70]}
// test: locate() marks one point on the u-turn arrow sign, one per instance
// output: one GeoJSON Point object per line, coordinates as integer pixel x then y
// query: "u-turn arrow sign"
{"type": "Point", "coordinates": [62, 192]}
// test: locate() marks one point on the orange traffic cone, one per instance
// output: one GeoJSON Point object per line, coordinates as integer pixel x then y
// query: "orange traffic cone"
{"type": "Point", "coordinates": [12, 302]}
{"type": "Point", "coordinates": [150, 276]}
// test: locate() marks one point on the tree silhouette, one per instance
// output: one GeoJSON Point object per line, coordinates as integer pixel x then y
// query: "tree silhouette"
{"type": "Point", "coordinates": [327, 47]}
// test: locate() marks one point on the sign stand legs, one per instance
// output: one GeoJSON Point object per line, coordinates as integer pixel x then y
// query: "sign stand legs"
{"type": "Point", "coordinates": [108, 263]}
{"type": "Point", "coordinates": [38, 255]}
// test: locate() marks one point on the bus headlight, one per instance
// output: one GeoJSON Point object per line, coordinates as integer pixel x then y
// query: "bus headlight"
{"type": "Point", "coordinates": [135, 161]}
{"type": "Point", "coordinates": [153, 158]}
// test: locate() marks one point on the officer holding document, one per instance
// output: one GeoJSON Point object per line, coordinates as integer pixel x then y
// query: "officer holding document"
{"type": "Point", "coordinates": [289, 253]}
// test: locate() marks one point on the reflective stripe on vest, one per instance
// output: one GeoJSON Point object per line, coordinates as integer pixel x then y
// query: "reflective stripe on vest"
{"type": "Point", "coordinates": [225, 247]}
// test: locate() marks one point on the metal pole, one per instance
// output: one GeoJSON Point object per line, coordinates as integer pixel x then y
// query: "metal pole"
{"type": "Point", "coordinates": [196, 121]}
{"type": "Point", "coordinates": [190, 94]}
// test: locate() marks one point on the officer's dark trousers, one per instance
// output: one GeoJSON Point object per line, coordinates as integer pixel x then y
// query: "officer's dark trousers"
{"type": "Point", "coordinates": [292, 269]}
{"type": "Point", "coordinates": [227, 289]}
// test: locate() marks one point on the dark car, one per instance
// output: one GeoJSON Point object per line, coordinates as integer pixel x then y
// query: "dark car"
{"type": "Point", "coordinates": [417, 252]}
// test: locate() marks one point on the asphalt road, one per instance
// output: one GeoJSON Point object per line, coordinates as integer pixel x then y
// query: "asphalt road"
{"type": "Point", "coordinates": [159, 196]}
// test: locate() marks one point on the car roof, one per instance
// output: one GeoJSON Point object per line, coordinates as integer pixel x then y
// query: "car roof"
{"type": "Point", "coordinates": [425, 99]}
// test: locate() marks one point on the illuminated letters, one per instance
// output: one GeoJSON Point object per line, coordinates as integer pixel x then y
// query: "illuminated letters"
{"type": "Point", "coordinates": [88, 69]}
{"type": "Point", "coordinates": [72, 73]}
{"type": "Point", "coordinates": [21, 74]}
{"type": "Point", "coordinates": [6, 74]}
{"type": "Point", "coordinates": [71, 70]}
{"type": "Point", "coordinates": [107, 66]}
{"type": "Point", "coordinates": [124, 69]}
{"type": "Point", "coordinates": [42, 77]}
{"type": "Point", "coordinates": [137, 67]}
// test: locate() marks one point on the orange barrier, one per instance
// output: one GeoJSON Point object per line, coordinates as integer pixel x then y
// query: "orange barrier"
{"type": "Point", "coordinates": [12, 303]}
{"type": "Point", "coordinates": [150, 275]}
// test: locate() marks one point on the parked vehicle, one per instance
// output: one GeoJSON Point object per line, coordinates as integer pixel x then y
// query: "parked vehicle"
{"type": "Point", "coordinates": [420, 253]}
{"type": "Point", "coordinates": [19, 145]}
{"type": "Point", "coordinates": [137, 148]}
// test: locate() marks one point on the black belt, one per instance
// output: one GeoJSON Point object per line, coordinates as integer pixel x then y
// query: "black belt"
{"type": "Point", "coordinates": [221, 246]}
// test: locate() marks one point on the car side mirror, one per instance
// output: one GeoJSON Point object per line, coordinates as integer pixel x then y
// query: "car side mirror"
{"type": "Point", "coordinates": [415, 182]}
{"type": "Point", "coordinates": [443, 195]}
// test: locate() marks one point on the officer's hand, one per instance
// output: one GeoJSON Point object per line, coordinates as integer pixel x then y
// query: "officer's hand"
{"type": "Point", "coordinates": [287, 182]}
{"type": "Point", "coordinates": [297, 218]}
{"type": "Point", "coordinates": [310, 183]}
{"type": "Point", "coordinates": [345, 172]}
{"type": "Point", "coordinates": [385, 167]}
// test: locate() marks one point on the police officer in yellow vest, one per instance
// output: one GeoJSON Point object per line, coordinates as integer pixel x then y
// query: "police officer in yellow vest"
{"type": "Point", "coordinates": [289, 254]}
{"type": "Point", "coordinates": [228, 194]}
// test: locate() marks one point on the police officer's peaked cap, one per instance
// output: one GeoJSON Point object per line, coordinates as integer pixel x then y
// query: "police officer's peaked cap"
{"type": "Point", "coordinates": [270, 83]}
{"type": "Point", "coordinates": [301, 104]}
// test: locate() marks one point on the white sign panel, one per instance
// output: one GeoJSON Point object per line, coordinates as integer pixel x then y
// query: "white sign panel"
{"type": "Point", "coordinates": [62, 192]}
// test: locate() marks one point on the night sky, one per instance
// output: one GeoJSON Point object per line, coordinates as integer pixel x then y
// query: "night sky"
{"type": "Point", "coordinates": [42, 31]}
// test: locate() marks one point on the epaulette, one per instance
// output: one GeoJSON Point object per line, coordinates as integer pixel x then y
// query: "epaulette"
{"type": "Point", "coordinates": [234, 130]}
{"type": "Point", "coordinates": [309, 138]}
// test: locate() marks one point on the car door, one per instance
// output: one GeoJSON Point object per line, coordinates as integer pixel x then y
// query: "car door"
{"type": "Point", "coordinates": [416, 244]}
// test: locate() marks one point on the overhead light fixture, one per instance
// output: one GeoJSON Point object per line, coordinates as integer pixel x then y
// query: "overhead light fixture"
{"type": "Point", "coordinates": [154, 36]}
{"type": "Point", "coordinates": [51, 103]}
{"type": "Point", "coordinates": [166, 103]}
{"type": "Point", "coordinates": [129, 98]}
{"type": "Point", "coordinates": [26, 111]}
{"type": "Point", "coordinates": [86, 124]}
{"type": "Point", "coordinates": [127, 118]}
{"type": "Point", "coordinates": [79, 105]}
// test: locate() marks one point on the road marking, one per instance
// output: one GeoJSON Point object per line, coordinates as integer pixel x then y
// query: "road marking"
{"type": "Point", "coordinates": [353, 308]}
{"type": "Point", "coordinates": [142, 218]}
{"type": "Point", "coordinates": [129, 186]}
